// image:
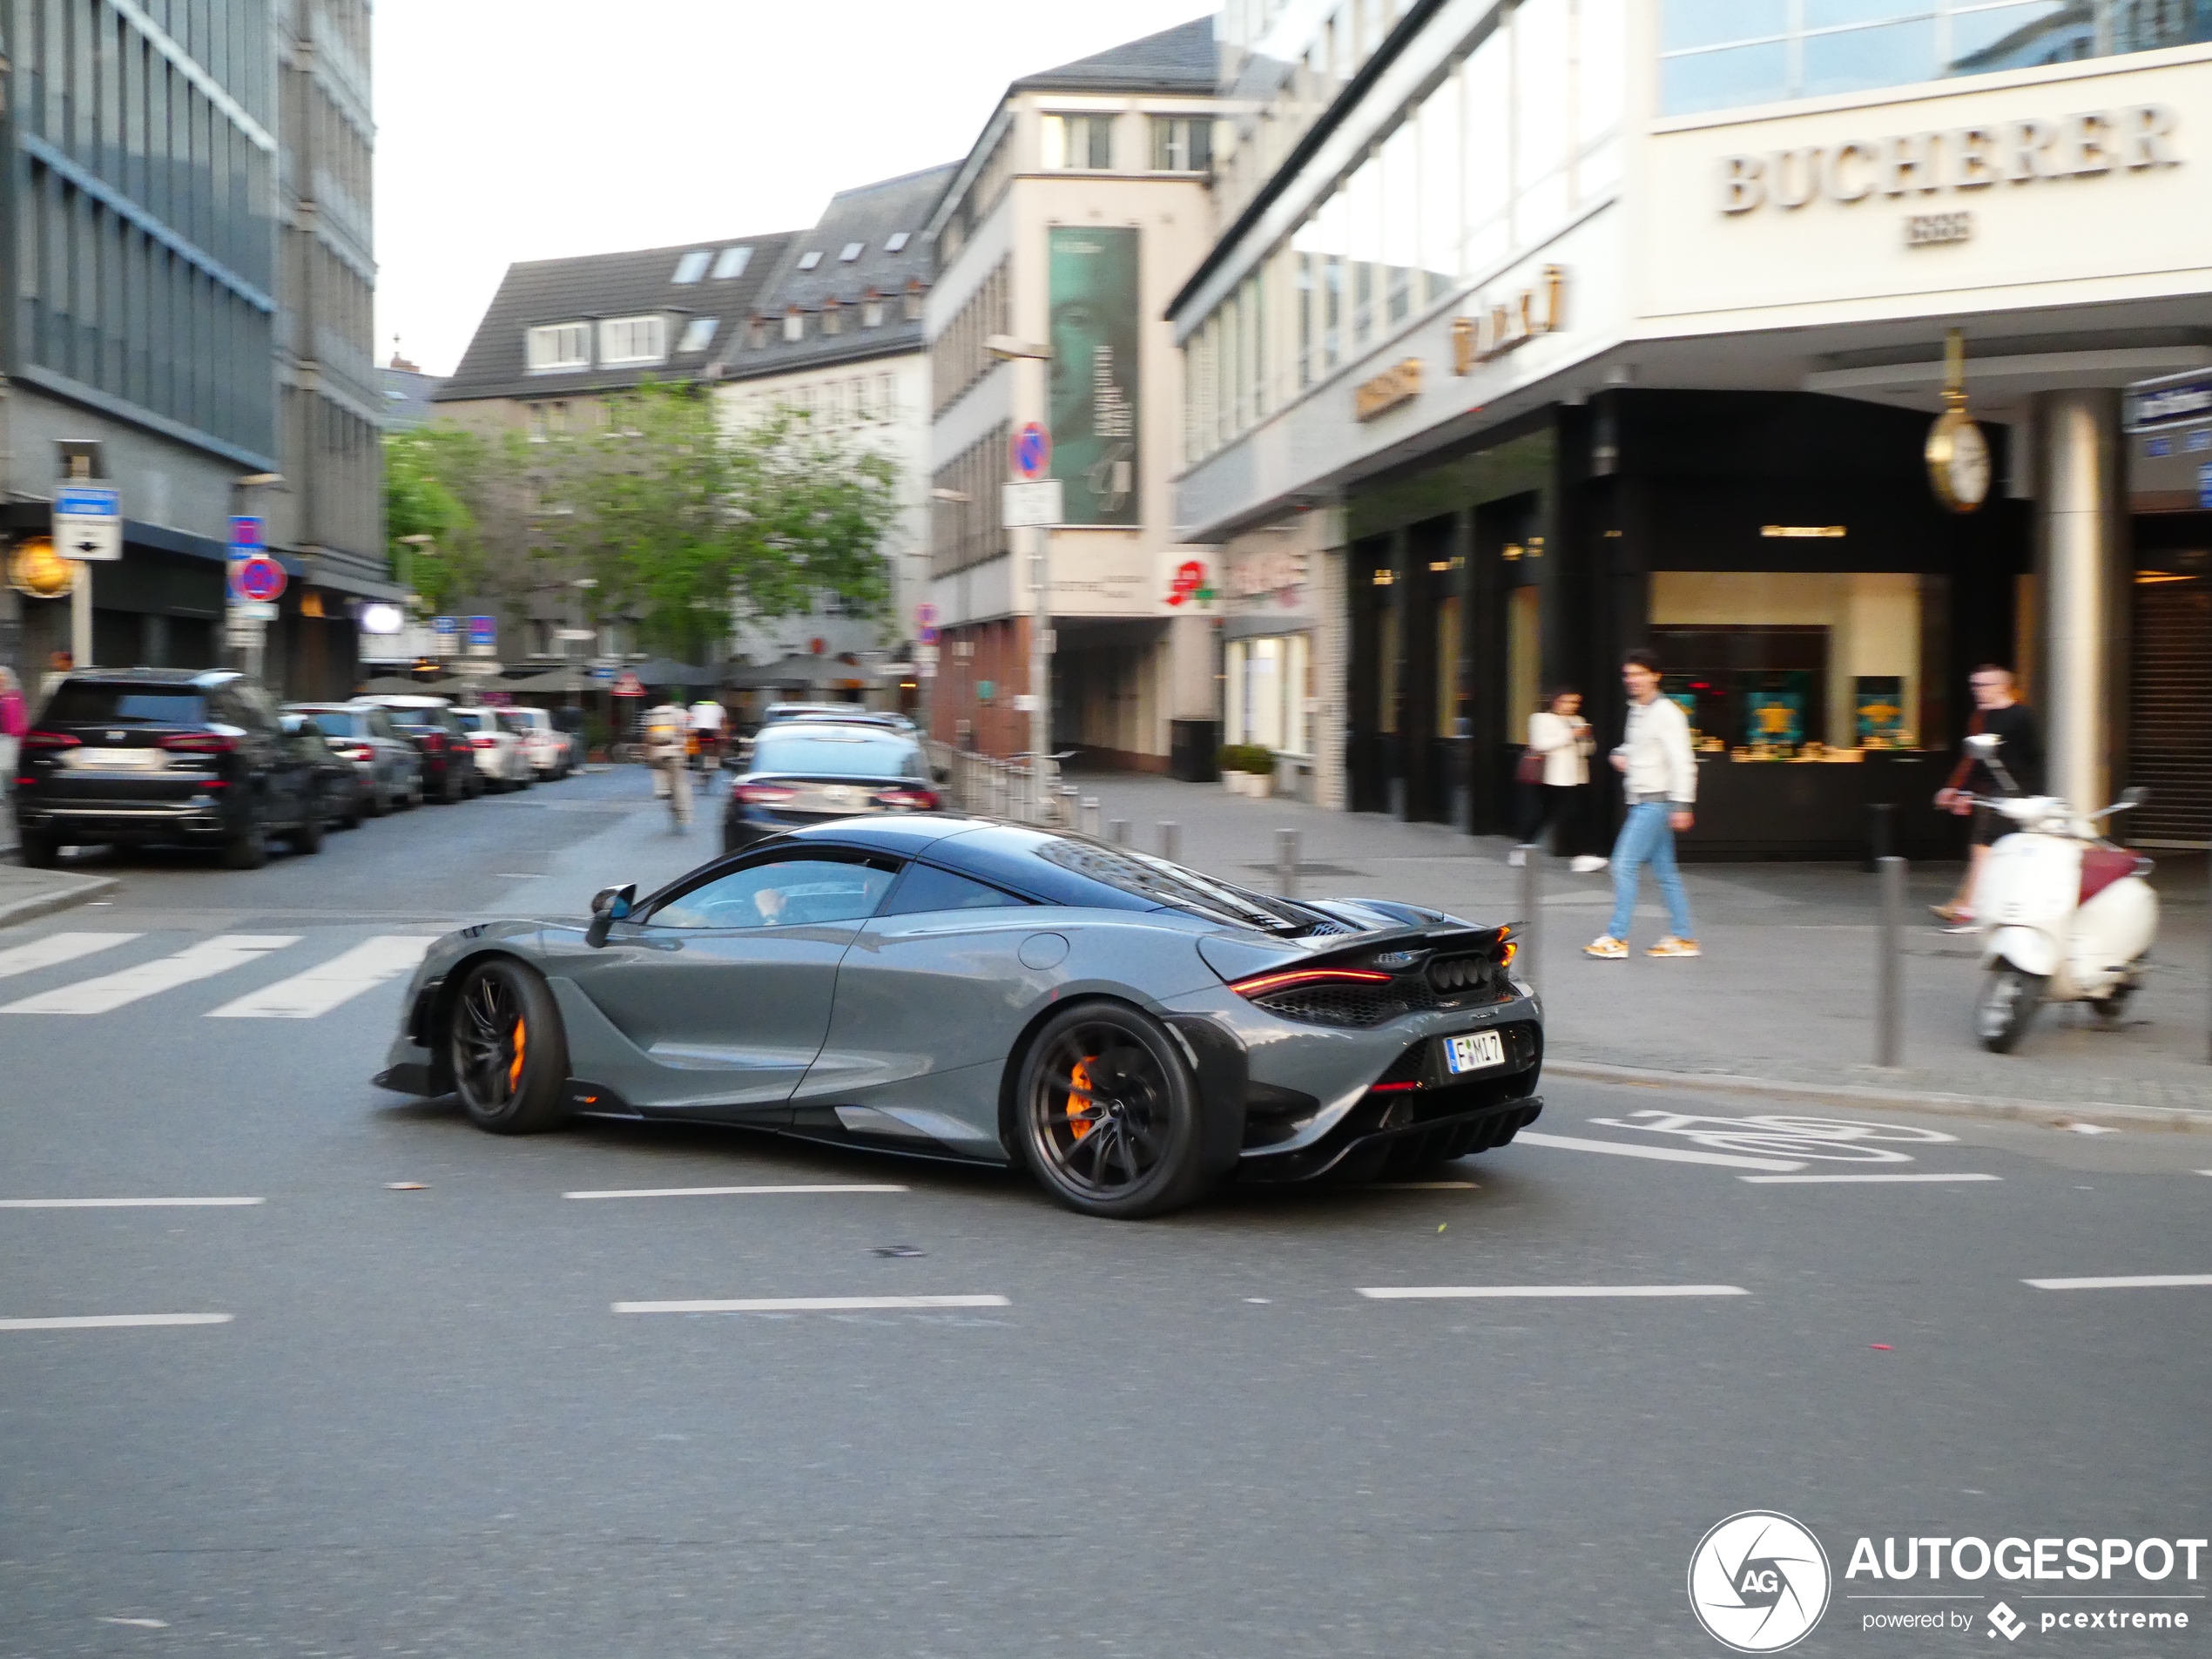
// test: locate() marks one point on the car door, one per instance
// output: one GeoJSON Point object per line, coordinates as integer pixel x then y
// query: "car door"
{"type": "Point", "coordinates": [726, 984]}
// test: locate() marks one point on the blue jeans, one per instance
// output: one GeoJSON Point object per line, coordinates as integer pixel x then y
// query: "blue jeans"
{"type": "Point", "coordinates": [1645, 836]}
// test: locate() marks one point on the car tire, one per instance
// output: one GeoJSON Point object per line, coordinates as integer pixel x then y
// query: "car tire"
{"type": "Point", "coordinates": [248, 846]}
{"type": "Point", "coordinates": [308, 837]}
{"type": "Point", "coordinates": [39, 852]}
{"type": "Point", "coordinates": [416, 792]}
{"type": "Point", "coordinates": [2006, 1007]}
{"type": "Point", "coordinates": [379, 804]}
{"type": "Point", "coordinates": [1133, 1146]}
{"type": "Point", "coordinates": [509, 1053]}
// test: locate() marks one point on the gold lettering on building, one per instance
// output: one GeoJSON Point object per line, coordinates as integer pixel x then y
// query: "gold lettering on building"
{"type": "Point", "coordinates": [1399, 384]}
{"type": "Point", "coordinates": [1504, 327]}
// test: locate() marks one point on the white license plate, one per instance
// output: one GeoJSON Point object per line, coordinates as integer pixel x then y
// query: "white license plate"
{"type": "Point", "coordinates": [118, 759]}
{"type": "Point", "coordinates": [1475, 1052]}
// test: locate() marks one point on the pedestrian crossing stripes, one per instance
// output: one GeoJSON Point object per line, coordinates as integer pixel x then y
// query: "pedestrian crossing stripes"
{"type": "Point", "coordinates": [322, 989]}
{"type": "Point", "coordinates": [112, 991]}
{"type": "Point", "coordinates": [308, 995]}
{"type": "Point", "coordinates": [55, 949]}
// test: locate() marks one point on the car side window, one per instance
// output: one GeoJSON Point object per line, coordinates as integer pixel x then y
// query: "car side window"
{"type": "Point", "coordinates": [379, 724]}
{"type": "Point", "coordinates": [780, 893]}
{"type": "Point", "coordinates": [307, 741]}
{"type": "Point", "coordinates": [927, 887]}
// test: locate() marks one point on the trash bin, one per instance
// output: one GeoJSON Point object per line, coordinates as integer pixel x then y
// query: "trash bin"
{"type": "Point", "coordinates": [1191, 747]}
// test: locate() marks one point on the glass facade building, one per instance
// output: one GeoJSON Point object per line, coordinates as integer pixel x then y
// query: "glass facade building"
{"type": "Point", "coordinates": [1725, 54]}
{"type": "Point", "coordinates": [144, 159]}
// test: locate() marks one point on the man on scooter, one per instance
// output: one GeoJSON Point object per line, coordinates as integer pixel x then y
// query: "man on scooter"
{"type": "Point", "coordinates": [2000, 713]}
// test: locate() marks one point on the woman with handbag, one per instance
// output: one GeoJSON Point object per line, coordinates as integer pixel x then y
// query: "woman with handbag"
{"type": "Point", "coordinates": [1556, 768]}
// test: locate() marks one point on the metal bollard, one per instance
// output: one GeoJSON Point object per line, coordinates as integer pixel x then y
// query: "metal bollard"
{"type": "Point", "coordinates": [1117, 831]}
{"type": "Point", "coordinates": [1286, 862]}
{"type": "Point", "coordinates": [1889, 967]}
{"type": "Point", "coordinates": [1070, 807]}
{"type": "Point", "coordinates": [1090, 816]}
{"type": "Point", "coordinates": [1170, 840]}
{"type": "Point", "coordinates": [1531, 884]}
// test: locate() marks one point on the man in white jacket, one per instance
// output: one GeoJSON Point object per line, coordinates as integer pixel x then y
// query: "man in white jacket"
{"type": "Point", "coordinates": [1659, 774]}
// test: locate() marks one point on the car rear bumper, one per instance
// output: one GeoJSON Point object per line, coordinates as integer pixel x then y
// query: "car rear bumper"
{"type": "Point", "coordinates": [1371, 1132]}
{"type": "Point", "coordinates": [124, 820]}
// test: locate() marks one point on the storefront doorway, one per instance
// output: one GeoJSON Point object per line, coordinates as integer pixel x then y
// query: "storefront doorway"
{"type": "Point", "coordinates": [2170, 712]}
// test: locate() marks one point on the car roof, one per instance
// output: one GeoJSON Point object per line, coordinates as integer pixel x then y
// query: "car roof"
{"type": "Point", "coordinates": [403, 700]}
{"type": "Point", "coordinates": [202, 677]}
{"type": "Point", "coordinates": [905, 833]}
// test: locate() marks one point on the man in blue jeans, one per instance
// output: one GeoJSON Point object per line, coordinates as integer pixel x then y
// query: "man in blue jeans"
{"type": "Point", "coordinates": [1659, 774]}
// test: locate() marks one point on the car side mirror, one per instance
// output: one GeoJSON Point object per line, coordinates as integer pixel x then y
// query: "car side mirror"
{"type": "Point", "coordinates": [608, 906]}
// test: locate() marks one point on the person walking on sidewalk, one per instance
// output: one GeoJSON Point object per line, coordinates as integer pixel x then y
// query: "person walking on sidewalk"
{"type": "Point", "coordinates": [667, 728]}
{"type": "Point", "coordinates": [1660, 778]}
{"type": "Point", "coordinates": [1998, 712]}
{"type": "Point", "coordinates": [1560, 746]}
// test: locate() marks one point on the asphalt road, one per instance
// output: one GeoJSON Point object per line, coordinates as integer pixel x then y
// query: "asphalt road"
{"type": "Point", "coordinates": [423, 1427]}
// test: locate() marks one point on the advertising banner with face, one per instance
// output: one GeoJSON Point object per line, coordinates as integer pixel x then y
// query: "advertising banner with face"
{"type": "Point", "coordinates": [1094, 278]}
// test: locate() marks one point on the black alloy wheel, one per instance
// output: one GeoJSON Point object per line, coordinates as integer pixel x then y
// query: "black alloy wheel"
{"type": "Point", "coordinates": [1110, 1113]}
{"type": "Point", "coordinates": [509, 1055]}
{"type": "Point", "coordinates": [307, 838]}
{"type": "Point", "coordinates": [378, 803]}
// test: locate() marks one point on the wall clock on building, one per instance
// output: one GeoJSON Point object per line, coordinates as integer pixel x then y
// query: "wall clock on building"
{"type": "Point", "coordinates": [1957, 451]}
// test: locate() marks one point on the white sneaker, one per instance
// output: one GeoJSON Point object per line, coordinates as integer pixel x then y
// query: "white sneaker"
{"type": "Point", "coordinates": [1518, 857]}
{"type": "Point", "coordinates": [1586, 864]}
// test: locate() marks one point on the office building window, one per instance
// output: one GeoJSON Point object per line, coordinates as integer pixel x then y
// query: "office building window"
{"type": "Point", "coordinates": [1182, 143]}
{"type": "Point", "coordinates": [633, 340]}
{"type": "Point", "coordinates": [1078, 141]}
{"type": "Point", "coordinates": [559, 345]}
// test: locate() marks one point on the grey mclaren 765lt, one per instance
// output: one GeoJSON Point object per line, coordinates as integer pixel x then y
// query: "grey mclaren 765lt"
{"type": "Point", "coordinates": [1130, 1032]}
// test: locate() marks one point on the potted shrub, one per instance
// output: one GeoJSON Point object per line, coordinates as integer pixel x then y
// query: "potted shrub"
{"type": "Point", "coordinates": [1247, 769]}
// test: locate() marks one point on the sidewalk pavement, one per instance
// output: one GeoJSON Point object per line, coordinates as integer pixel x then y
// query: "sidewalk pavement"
{"type": "Point", "coordinates": [1782, 1000]}
{"type": "Point", "coordinates": [25, 895]}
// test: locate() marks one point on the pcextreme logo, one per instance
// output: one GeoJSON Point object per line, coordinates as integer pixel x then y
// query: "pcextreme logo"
{"type": "Point", "coordinates": [1758, 1581]}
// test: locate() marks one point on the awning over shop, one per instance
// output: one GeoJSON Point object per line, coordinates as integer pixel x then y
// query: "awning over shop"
{"type": "Point", "coordinates": [661, 671]}
{"type": "Point", "coordinates": [801, 671]}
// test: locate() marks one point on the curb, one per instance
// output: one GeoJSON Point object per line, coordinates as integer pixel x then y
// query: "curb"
{"type": "Point", "coordinates": [82, 889]}
{"type": "Point", "coordinates": [2110, 1114]}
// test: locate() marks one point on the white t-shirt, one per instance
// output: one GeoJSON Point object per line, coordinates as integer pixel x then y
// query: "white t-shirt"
{"type": "Point", "coordinates": [706, 716]}
{"type": "Point", "coordinates": [1565, 745]}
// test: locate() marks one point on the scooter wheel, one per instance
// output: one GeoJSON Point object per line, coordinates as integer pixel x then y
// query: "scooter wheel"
{"type": "Point", "coordinates": [2007, 1003]}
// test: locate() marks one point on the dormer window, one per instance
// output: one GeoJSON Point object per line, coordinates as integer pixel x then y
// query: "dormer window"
{"type": "Point", "coordinates": [896, 242]}
{"type": "Point", "coordinates": [558, 347]}
{"type": "Point", "coordinates": [833, 318]}
{"type": "Point", "coordinates": [794, 324]}
{"type": "Point", "coordinates": [914, 300]}
{"type": "Point", "coordinates": [731, 262]}
{"type": "Point", "coordinates": [692, 267]}
{"type": "Point", "coordinates": [756, 334]}
{"type": "Point", "coordinates": [810, 259]}
{"type": "Point", "coordinates": [633, 340]}
{"type": "Point", "coordinates": [872, 310]}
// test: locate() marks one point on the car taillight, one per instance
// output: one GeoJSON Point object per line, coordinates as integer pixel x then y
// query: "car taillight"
{"type": "Point", "coordinates": [1299, 978]}
{"type": "Point", "coordinates": [434, 743]}
{"type": "Point", "coordinates": [763, 794]}
{"type": "Point", "coordinates": [199, 743]}
{"type": "Point", "coordinates": [52, 740]}
{"type": "Point", "coordinates": [356, 751]}
{"type": "Point", "coordinates": [905, 800]}
{"type": "Point", "coordinates": [482, 739]}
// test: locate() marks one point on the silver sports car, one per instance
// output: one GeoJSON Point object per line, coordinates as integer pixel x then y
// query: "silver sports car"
{"type": "Point", "coordinates": [1129, 1031]}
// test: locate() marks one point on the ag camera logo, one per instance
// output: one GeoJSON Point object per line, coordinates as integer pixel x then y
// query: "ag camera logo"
{"type": "Point", "coordinates": [1758, 1582]}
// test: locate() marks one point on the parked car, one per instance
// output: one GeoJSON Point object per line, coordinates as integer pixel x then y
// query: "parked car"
{"type": "Point", "coordinates": [336, 782]}
{"type": "Point", "coordinates": [500, 756]}
{"type": "Point", "coordinates": [546, 749]}
{"type": "Point", "coordinates": [388, 766]}
{"type": "Point", "coordinates": [196, 757]}
{"type": "Point", "coordinates": [449, 771]}
{"type": "Point", "coordinates": [570, 724]}
{"type": "Point", "coordinates": [805, 771]}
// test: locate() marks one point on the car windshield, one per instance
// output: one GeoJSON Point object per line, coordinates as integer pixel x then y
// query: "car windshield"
{"type": "Point", "coordinates": [478, 720]}
{"type": "Point", "coordinates": [835, 751]}
{"type": "Point", "coordinates": [338, 723]}
{"type": "Point", "coordinates": [1173, 885]}
{"type": "Point", "coordinates": [516, 720]}
{"type": "Point", "coordinates": [81, 704]}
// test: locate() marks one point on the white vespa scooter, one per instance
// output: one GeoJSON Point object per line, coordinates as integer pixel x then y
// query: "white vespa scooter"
{"type": "Point", "coordinates": [2066, 915]}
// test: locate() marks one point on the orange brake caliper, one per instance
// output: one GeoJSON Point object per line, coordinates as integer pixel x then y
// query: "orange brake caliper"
{"type": "Point", "coordinates": [1079, 1100]}
{"type": "Point", "coordinates": [515, 1068]}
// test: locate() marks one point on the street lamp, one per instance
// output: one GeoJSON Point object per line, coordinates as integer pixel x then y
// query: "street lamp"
{"type": "Point", "coordinates": [1012, 349]}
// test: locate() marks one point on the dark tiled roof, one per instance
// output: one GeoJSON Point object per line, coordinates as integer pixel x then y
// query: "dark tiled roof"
{"type": "Point", "coordinates": [1177, 59]}
{"type": "Point", "coordinates": [407, 393]}
{"type": "Point", "coordinates": [608, 284]}
{"type": "Point", "coordinates": [869, 215]}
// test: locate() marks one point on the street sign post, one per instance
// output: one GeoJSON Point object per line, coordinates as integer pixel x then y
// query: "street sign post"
{"type": "Point", "coordinates": [483, 635]}
{"type": "Point", "coordinates": [88, 523]}
{"type": "Point", "coordinates": [1036, 504]}
{"type": "Point", "coordinates": [258, 580]}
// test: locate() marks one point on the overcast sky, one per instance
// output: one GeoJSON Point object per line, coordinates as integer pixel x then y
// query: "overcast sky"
{"type": "Point", "coordinates": [534, 129]}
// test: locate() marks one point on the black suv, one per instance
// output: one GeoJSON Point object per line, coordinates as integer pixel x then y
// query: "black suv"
{"type": "Point", "coordinates": [164, 754]}
{"type": "Point", "coordinates": [448, 758]}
